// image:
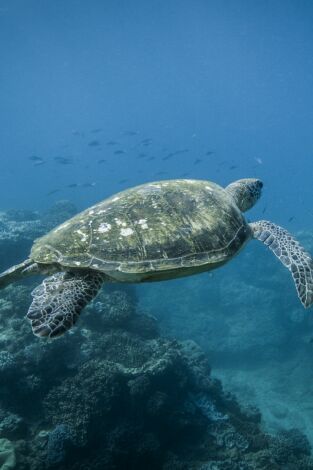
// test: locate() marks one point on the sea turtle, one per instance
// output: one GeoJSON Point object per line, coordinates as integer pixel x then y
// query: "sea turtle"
{"type": "Point", "coordinates": [156, 231]}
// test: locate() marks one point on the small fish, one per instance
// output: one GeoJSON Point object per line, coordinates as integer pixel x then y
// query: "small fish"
{"type": "Point", "coordinates": [233, 167]}
{"type": "Point", "coordinates": [160, 173]}
{"type": "Point", "coordinates": [150, 159]}
{"type": "Point", "coordinates": [141, 155]}
{"type": "Point", "coordinates": [101, 161]}
{"type": "Point", "coordinates": [63, 160]}
{"type": "Point", "coordinates": [88, 185]}
{"type": "Point", "coordinates": [73, 185]}
{"type": "Point", "coordinates": [197, 161]}
{"type": "Point", "coordinates": [112, 142]}
{"type": "Point", "coordinates": [53, 191]}
{"type": "Point", "coordinates": [34, 158]}
{"type": "Point", "coordinates": [119, 152]}
{"type": "Point", "coordinates": [168, 156]}
{"type": "Point", "coordinates": [258, 160]}
{"type": "Point", "coordinates": [77, 133]}
{"type": "Point", "coordinates": [178, 152]}
{"type": "Point", "coordinates": [130, 133]}
{"type": "Point", "coordinates": [40, 162]}
{"type": "Point", "coordinates": [264, 209]}
{"type": "Point", "coordinates": [209, 152]}
{"type": "Point", "coordinates": [146, 141]}
{"type": "Point", "coordinates": [291, 218]}
{"type": "Point", "coordinates": [96, 131]}
{"type": "Point", "coordinates": [94, 143]}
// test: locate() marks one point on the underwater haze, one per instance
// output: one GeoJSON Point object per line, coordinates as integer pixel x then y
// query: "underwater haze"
{"type": "Point", "coordinates": [209, 372]}
{"type": "Point", "coordinates": [229, 77]}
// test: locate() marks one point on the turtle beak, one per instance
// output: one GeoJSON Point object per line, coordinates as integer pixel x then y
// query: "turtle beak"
{"type": "Point", "coordinates": [260, 184]}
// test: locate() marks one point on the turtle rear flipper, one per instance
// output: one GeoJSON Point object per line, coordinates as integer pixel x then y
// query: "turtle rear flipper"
{"type": "Point", "coordinates": [289, 251]}
{"type": "Point", "coordinates": [18, 272]}
{"type": "Point", "coordinates": [58, 301]}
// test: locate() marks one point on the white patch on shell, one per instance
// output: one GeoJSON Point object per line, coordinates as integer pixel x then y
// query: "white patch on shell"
{"type": "Point", "coordinates": [208, 188]}
{"type": "Point", "coordinates": [120, 222]}
{"type": "Point", "coordinates": [83, 235]}
{"type": "Point", "coordinates": [77, 263]}
{"type": "Point", "coordinates": [143, 223]}
{"type": "Point", "coordinates": [125, 232]}
{"type": "Point", "coordinates": [116, 198]}
{"type": "Point", "coordinates": [102, 211]}
{"type": "Point", "coordinates": [104, 227]}
{"type": "Point", "coordinates": [148, 188]}
{"type": "Point", "coordinates": [91, 212]}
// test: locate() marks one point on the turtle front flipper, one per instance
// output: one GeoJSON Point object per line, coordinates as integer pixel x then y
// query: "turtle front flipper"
{"type": "Point", "coordinates": [58, 301]}
{"type": "Point", "coordinates": [289, 251]}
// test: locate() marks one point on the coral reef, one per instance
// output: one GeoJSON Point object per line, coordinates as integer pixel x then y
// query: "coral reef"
{"type": "Point", "coordinates": [114, 395]}
{"type": "Point", "coordinates": [7, 454]}
{"type": "Point", "coordinates": [60, 440]}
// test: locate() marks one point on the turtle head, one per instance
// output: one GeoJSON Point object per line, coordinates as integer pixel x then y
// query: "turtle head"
{"type": "Point", "coordinates": [245, 192]}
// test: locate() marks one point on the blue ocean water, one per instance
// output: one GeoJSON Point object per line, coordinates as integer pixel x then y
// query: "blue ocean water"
{"type": "Point", "coordinates": [102, 95]}
{"type": "Point", "coordinates": [232, 78]}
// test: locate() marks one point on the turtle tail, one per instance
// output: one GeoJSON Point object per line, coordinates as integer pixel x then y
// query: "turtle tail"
{"type": "Point", "coordinates": [292, 255]}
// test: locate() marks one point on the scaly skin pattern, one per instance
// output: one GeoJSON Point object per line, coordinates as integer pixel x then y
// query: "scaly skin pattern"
{"type": "Point", "coordinates": [155, 231]}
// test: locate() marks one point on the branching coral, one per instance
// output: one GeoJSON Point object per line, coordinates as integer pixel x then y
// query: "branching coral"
{"type": "Point", "coordinates": [7, 455]}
